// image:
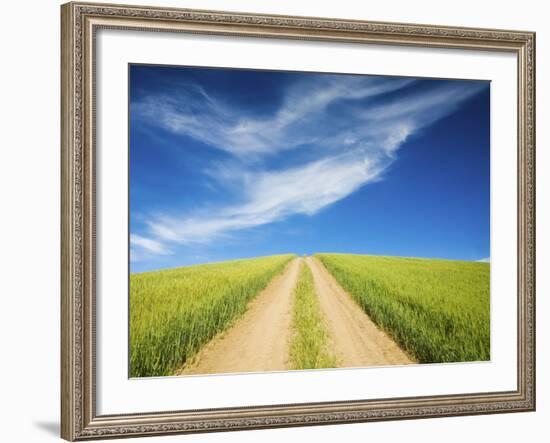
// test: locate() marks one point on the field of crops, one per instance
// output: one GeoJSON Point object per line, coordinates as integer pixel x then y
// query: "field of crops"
{"type": "Point", "coordinates": [309, 347]}
{"type": "Point", "coordinates": [174, 312]}
{"type": "Point", "coordinates": [438, 310]}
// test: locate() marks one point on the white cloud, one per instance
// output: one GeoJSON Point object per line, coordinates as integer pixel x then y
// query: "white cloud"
{"type": "Point", "coordinates": [354, 142]}
{"type": "Point", "coordinates": [193, 113]}
{"type": "Point", "coordinates": [142, 247]}
{"type": "Point", "coordinates": [273, 196]}
{"type": "Point", "coordinates": [485, 260]}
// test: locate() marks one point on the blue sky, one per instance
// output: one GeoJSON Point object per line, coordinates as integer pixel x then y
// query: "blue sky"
{"type": "Point", "coordinates": [228, 163]}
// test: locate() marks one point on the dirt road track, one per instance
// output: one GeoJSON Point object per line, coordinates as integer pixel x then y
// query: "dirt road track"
{"type": "Point", "coordinates": [357, 340]}
{"type": "Point", "coordinates": [260, 340]}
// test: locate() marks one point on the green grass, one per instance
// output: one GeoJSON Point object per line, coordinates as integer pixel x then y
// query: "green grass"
{"type": "Point", "coordinates": [174, 312]}
{"type": "Point", "coordinates": [309, 348]}
{"type": "Point", "coordinates": [438, 310]}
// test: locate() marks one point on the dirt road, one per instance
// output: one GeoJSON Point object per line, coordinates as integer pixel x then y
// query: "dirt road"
{"type": "Point", "coordinates": [357, 340]}
{"type": "Point", "coordinates": [260, 340]}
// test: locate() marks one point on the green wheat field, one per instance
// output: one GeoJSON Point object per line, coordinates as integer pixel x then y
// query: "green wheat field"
{"type": "Point", "coordinates": [174, 312]}
{"type": "Point", "coordinates": [436, 310]}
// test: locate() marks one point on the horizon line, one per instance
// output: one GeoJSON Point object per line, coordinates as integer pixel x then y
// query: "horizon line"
{"type": "Point", "coordinates": [481, 261]}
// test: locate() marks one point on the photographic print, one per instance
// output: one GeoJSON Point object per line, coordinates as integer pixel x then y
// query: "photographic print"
{"type": "Point", "coordinates": [300, 220]}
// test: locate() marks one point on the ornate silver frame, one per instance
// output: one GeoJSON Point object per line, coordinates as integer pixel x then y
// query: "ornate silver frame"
{"type": "Point", "coordinates": [80, 21]}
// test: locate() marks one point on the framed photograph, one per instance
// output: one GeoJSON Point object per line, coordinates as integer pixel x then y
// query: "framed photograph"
{"type": "Point", "coordinates": [283, 221]}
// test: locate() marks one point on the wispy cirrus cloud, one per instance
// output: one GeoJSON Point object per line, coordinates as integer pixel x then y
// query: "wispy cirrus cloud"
{"type": "Point", "coordinates": [142, 247]}
{"type": "Point", "coordinates": [271, 196]}
{"type": "Point", "coordinates": [194, 113]}
{"type": "Point", "coordinates": [349, 130]}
